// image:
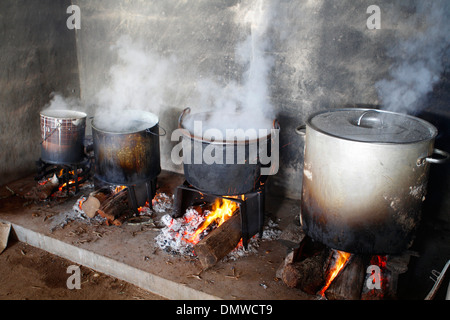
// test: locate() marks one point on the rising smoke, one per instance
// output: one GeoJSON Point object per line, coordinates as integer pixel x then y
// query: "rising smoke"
{"type": "Point", "coordinates": [141, 80]}
{"type": "Point", "coordinates": [418, 61]}
{"type": "Point", "coordinates": [59, 102]}
{"type": "Point", "coordinates": [145, 80]}
{"type": "Point", "coordinates": [242, 104]}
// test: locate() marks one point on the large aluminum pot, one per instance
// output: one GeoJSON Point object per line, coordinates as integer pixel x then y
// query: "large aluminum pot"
{"type": "Point", "coordinates": [235, 166]}
{"type": "Point", "coordinates": [127, 152]}
{"type": "Point", "coordinates": [365, 177]}
{"type": "Point", "coordinates": [62, 133]}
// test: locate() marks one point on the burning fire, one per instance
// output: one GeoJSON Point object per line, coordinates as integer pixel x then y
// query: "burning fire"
{"type": "Point", "coordinates": [181, 234]}
{"type": "Point", "coordinates": [340, 260]}
{"type": "Point", "coordinates": [222, 210]}
{"type": "Point", "coordinates": [56, 177]}
{"type": "Point", "coordinates": [143, 209]}
{"type": "Point", "coordinates": [61, 187]}
{"type": "Point", "coordinates": [117, 189]}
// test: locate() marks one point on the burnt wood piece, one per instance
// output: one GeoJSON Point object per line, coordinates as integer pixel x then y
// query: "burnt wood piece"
{"type": "Point", "coordinates": [114, 207]}
{"type": "Point", "coordinates": [95, 200]}
{"type": "Point", "coordinates": [42, 192]}
{"type": "Point", "coordinates": [388, 277]}
{"type": "Point", "coordinates": [46, 190]}
{"type": "Point", "coordinates": [307, 274]}
{"type": "Point", "coordinates": [126, 214]}
{"type": "Point", "coordinates": [348, 283]}
{"type": "Point", "coordinates": [304, 267]}
{"type": "Point", "coordinates": [219, 242]}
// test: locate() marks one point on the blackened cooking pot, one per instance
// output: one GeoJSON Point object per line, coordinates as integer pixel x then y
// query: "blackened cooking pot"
{"type": "Point", "coordinates": [227, 167]}
{"type": "Point", "coordinates": [365, 177]}
{"type": "Point", "coordinates": [127, 152]}
{"type": "Point", "coordinates": [62, 133]}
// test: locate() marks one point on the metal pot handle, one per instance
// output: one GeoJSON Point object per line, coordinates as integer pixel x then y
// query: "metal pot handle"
{"type": "Point", "coordinates": [276, 124]}
{"type": "Point", "coordinates": [358, 122]}
{"type": "Point", "coordinates": [157, 134]}
{"type": "Point", "coordinates": [180, 119]}
{"type": "Point", "coordinates": [301, 130]}
{"type": "Point", "coordinates": [446, 157]}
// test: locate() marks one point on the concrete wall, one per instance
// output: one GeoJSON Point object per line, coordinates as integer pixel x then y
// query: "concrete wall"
{"type": "Point", "coordinates": [324, 57]}
{"type": "Point", "coordinates": [37, 57]}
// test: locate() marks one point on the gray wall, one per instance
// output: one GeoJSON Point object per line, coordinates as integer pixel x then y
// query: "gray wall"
{"type": "Point", "coordinates": [324, 57]}
{"type": "Point", "coordinates": [37, 57]}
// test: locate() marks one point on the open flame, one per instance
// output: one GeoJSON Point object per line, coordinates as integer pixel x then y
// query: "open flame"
{"type": "Point", "coordinates": [181, 234]}
{"type": "Point", "coordinates": [57, 177]}
{"type": "Point", "coordinates": [117, 189]}
{"type": "Point", "coordinates": [222, 210]}
{"type": "Point", "coordinates": [71, 182]}
{"type": "Point", "coordinates": [340, 260]}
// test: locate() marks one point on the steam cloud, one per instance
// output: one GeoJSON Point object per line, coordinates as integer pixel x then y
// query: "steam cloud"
{"type": "Point", "coordinates": [139, 81]}
{"type": "Point", "coordinates": [244, 105]}
{"type": "Point", "coordinates": [144, 80]}
{"type": "Point", "coordinates": [59, 102]}
{"type": "Point", "coordinates": [418, 61]}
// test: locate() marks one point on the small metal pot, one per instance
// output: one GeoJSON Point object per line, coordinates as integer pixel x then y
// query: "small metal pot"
{"type": "Point", "coordinates": [238, 168]}
{"type": "Point", "coordinates": [62, 133]}
{"type": "Point", "coordinates": [365, 177]}
{"type": "Point", "coordinates": [130, 156]}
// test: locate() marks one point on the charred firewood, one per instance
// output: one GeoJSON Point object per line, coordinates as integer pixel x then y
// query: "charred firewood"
{"type": "Point", "coordinates": [95, 200]}
{"type": "Point", "coordinates": [219, 242]}
{"type": "Point", "coordinates": [114, 207]}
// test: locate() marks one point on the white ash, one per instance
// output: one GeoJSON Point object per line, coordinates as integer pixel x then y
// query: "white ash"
{"type": "Point", "coordinates": [173, 237]}
{"type": "Point", "coordinates": [80, 214]}
{"type": "Point", "coordinates": [175, 232]}
{"type": "Point", "coordinates": [270, 233]}
{"type": "Point", "coordinates": [61, 220]}
{"type": "Point", "coordinates": [162, 203]}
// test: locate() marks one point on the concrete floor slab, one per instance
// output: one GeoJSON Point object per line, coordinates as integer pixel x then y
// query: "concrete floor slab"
{"type": "Point", "coordinates": [128, 252]}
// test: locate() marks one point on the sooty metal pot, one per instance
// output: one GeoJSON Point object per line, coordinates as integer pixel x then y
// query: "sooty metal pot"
{"type": "Point", "coordinates": [235, 167]}
{"type": "Point", "coordinates": [127, 153]}
{"type": "Point", "coordinates": [62, 133]}
{"type": "Point", "coordinates": [365, 177]}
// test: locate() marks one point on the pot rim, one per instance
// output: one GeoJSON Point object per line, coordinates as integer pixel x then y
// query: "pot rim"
{"type": "Point", "coordinates": [188, 134]}
{"type": "Point", "coordinates": [127, 132]}
{"type": "Point", "coordinates": [65, 114]}
{"type": "Point", "coordinates": [432, 128]}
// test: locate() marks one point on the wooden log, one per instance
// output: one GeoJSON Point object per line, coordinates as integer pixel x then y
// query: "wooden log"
{"type": "Point", "coordinates": [114, 206]}
{"type": "Point", "coordinates": [306, 275]}
{"type": "Point", "coordinates": [126, 214]}
{"type": "Point", "coordinates": [219, 242]}
{"type": "Point", "coordinates": [290, 258]}
{"type": "Point", "coordinates": [46, 190]}
{"type": "Point", "coordinates": [348, 283]}
{"type": "Point", "coordinates": [95, 200]}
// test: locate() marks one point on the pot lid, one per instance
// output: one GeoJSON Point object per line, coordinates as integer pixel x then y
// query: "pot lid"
{"type": "Point", "coordinates": [372, 125]}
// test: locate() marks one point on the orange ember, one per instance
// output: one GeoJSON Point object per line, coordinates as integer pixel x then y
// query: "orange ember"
{"type": "Point", "coordinates": [70, 183]}
{"type": "Point", "coordinates": [55, 179]}
{"type": "Point", "coordinates": [341, 259]}
{"type": "Point", "coordinates": [119, 188]}
{"type": "Point", "coordinates": [140, 209]}
{"type": "Point", "coordinates": [80, 203]}
{"type": "Point", "coordinates": [379, 261]}
{"type": "Point", "coordinates": [222, 210]}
